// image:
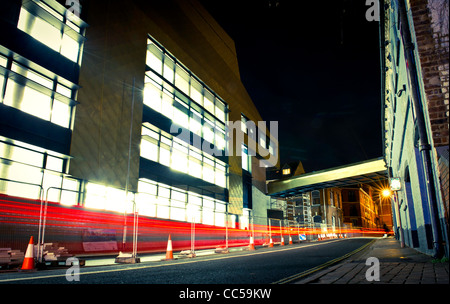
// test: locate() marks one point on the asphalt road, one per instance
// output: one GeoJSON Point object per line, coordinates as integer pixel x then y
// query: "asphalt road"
{"type": "Point", "coordinates": [263, 266]}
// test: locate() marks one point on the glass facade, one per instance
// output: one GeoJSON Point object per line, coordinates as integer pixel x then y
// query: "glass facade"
{"type": "Point", "coordinates": [161, 147]}
{"type": "Point", "coordinates": [37, 94]}
{"type": "Point", "coordinates": [176, 93]}
{"type": "Point", "coordinates": [35, 172]}
{"type": "Point", "coordinates": [50, 26]}
{"type": "Point", "coordinates": [160, 200]}
{"type": "Point", "coordinates": [29, 170]}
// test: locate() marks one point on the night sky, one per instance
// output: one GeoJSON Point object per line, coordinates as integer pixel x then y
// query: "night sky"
{"type": "Point", "coordinates": [313, 66]}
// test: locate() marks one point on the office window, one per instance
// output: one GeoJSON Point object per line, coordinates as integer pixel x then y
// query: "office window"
{"type": "Point", "coordinates": [39, 29]}
{"type": "Point", "coordinates": [169, 69]}
{"type": "Point", "coordinates": [154, 58]}
{"type": "Point", "coordinates": [54, 163]}
{"type": "Point", "coordinates": [149, 150]}
{"type": "Point", "coordinates": [50, 28]}
{"type": "Point", "coordinates": [195, 123]}
{"type": "Point", "coordinates": [179, 161]}
{"type": "Point", "coordinates": [180, 156]}
{"type": "Point", "coordinates": [152, 97]}
{"type": "Point", "coordinates": [195, 167]}
{"type": "Point", "coordinates": [196, 92]}
{"type": "Point", "coordinates": [246, 159]}
{"type": "Point", "coordinates": [178, 78]}
{"type": "Point", "coordinates": [163, 201]}
{"type": "Point", "coordinates": [208, 131]}
{"type": "Point", "coordinates": [27, 100]}
{"type": "Point", "coordinates": [182, 80]}
{"type": "Point", "coordinates": [25, 168]}
{"type": "Point", "coordinates": [244, 124]}
{"type": "Point", "coordinates": [70, 48]}
{"type": "Point", "coordinates": [220, 112]}
{"type": "Point", "coordinates": [37, 95]}
{"type": "Point", "coordinates": [164, 155]}
{"type": "Point", "coordinates": [61, 114]}
{"type": "Point", "coordinates": [208, 102]}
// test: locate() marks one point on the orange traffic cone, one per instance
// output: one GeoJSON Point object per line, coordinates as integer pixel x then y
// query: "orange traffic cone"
{"type": "Point", "coordinates": [282, 241]}
{"type": "Point", "coordinates": [28, 261]}
{"type": "Point", "coordinates": [290, 240]}
{"type": "Point", "coordinates": [252, 244]}
{"type": "Point", "coordinates": [169, 252]}
{"type": "Point", "coordinates": [271, 242]}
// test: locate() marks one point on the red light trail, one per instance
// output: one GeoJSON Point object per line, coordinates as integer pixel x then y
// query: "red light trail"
{"type": "Point", "coordinates": [72, 226]}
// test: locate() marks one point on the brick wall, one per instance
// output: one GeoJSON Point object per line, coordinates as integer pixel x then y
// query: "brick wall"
{"type": "Point", "coordinates": [431, 27]}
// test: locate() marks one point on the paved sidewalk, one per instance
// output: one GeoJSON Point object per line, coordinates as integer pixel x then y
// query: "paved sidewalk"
{"type": "Point", "coordinates": [397, 266]}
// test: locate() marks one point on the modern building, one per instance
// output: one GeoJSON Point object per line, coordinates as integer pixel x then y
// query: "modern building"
{"type": "Point", "coordinates": [141, 110]}
{"type": "Point", "coordinates": [415, 113]}
{"type": "Point", "coordinates": [41, 52]}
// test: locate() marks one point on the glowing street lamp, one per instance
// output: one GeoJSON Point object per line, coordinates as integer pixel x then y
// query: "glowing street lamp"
{"type": "Point", "coordinates": [395, 184]}
{"type": "Point", "coordinates": [386, 193]}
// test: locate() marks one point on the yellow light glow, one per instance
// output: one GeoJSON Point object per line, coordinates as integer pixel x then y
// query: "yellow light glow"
{"type": "Point", "coordinates": [386, 193]}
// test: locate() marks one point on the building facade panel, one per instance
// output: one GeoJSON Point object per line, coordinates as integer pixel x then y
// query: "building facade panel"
{"type": "Point", "coordinates": [415, 113]}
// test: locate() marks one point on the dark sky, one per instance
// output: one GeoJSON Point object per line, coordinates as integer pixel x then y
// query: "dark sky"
{"type": "Point", "coordinates": [313, 66]}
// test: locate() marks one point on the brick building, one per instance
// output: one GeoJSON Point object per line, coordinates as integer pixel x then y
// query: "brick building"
{"type": "Point", "coordinates": [362, 208]}
{"type": "Point", "coordinates": [415, 113]}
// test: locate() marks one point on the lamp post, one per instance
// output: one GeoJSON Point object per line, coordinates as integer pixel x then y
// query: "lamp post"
{"type": "Point", "coordinates": [396, 185]}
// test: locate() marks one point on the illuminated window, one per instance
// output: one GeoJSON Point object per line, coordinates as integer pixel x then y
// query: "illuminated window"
{"type": "Point", "coordinates": [196, 92]}
{"type": "Point", "coordinates": [195, 123]}
{"type": "Point", "coordinates": [149, 150]}
{"type": "Point", "coordinates": [208, 131]}
{"type": "Point", "coordinates": [169, 69]}
{"type": "Point", "coordinates": [50, 29]}
{"type": "Point", "coordinates": [244, 124]}
{"type": "Point", "coordinates": [101, 197]}
{"type": "Point", "coordinates": [70, 48]}
{"type": "Point", "coordinates": [166, 106]}
{"type": "Point", "coordinates": [52, 182]}
{"type": "Point", "coordinates": [27, 100]}
{"type": "Point", "coordinates": [164, 155]}
{"type": "Point", "coordinates": [286, 171]}
{"type": "Point", "coordinates": [3, 61]}
{"type": "Point", "coordinates": [209, 102]}
{"type": "Point", "coordinates": [182, 80]}
{"type": "Point", "coordinates": [195, 167]}
{"type": "Point", "coordinates": [26, 168]}
{"type": "Point", "coordinates": [32, 93]}
{"type": "Point", "coordinates": [61, 114]}
{"type": "Point", "coordinates": [246, 159]}
{"type": "Point", "coordinates": [179, 161]}
{"type": "Point", "coordinates": [154, 58]}
{"type": "Point", "coordinates": [221, 179]}
{"type": "Point", "coordinates": [70, 196]}
{"type": "Point", "coordinates": [180, 117]}
{"type": "Point", "coordinates": [54, 163]}
{"type": "Point", "coordinates": [152, 97]}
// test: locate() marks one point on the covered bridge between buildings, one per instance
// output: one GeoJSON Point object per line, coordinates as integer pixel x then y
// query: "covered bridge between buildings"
{"type": "Point", "coordinates": [366, 172]}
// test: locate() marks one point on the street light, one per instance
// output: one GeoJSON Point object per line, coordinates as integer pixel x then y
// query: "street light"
{"type": "Point", "coordinates": [386, 193]}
